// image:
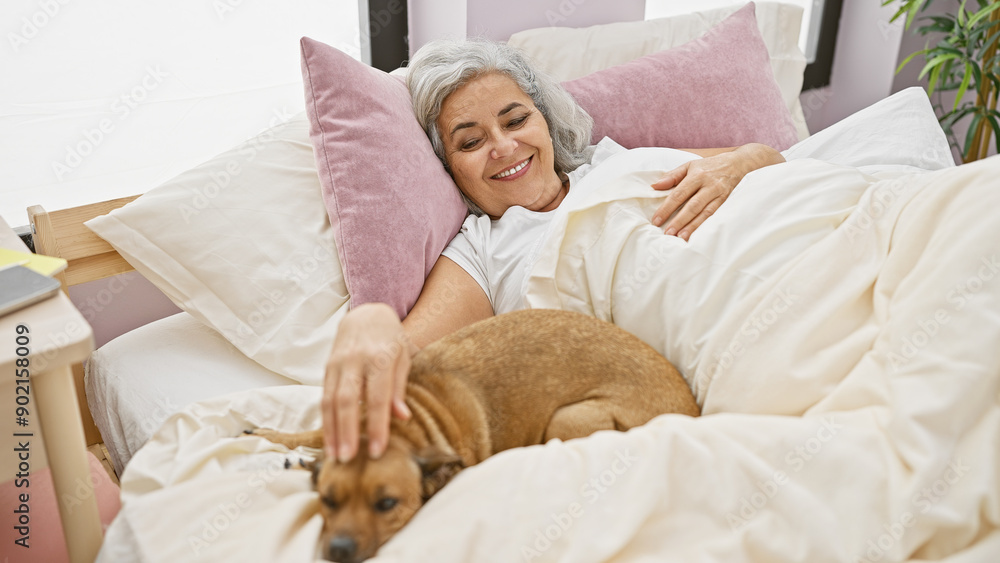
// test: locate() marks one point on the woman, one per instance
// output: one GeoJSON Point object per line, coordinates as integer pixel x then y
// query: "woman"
{"type": "Point", "coordinates": [512, 139]}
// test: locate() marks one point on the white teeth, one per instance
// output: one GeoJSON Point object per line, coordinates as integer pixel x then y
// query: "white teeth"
{"type": "Point", "coordinates": [512, 170]}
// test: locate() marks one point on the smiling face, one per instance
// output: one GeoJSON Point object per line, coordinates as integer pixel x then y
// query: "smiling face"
{"type": "Point", "coordinates": [498, 147]}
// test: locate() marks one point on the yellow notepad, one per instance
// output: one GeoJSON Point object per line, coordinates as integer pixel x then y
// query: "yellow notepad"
{"type": "Point", "coordinates": [45, 265]}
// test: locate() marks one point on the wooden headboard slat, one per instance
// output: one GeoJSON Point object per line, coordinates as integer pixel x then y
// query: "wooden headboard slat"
{"type": "Point", "coordinates": [74, 239]}
{"type": "Point", "coordinates": [100, 266]}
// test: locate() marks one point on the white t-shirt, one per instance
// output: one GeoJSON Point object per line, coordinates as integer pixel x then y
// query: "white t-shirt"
{"type": "Point", "coordinates": [499, 254]}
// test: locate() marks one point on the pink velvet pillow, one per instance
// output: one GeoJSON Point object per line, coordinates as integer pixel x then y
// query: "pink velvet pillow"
{"type": "Point", "coordinates": [716, 91]}
{"type": "Point", "coordinates": [392, 205]}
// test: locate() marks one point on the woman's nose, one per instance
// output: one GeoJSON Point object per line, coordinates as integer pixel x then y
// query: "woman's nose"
{"type": "Point", "coordinates": [504, 146]}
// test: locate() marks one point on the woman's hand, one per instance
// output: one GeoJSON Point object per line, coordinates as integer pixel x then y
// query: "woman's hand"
{"type": "Point", "coordinates": [699, 187]}
{"type": "Point", "coordinates": [368, 366]}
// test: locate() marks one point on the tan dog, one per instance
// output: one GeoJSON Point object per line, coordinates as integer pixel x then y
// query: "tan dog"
{"type": "Point", "coordinates": [513, 380]}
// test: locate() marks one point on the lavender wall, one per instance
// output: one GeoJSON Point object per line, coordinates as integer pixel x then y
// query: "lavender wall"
{"type": "Point", "coordinates": [864, 63]}
{"type": "Point", "coordinates": [116, 305]}
{"type": "Point", "coordinates": [435, 19]}
{"type": "Point", "coordinates": [432, 19]}
{"type": "Point", "coordinates": [499, 20]}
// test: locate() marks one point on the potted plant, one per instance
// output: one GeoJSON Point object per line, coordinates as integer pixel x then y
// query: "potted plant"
{"type": "Point", "coordinates": [966, 58]}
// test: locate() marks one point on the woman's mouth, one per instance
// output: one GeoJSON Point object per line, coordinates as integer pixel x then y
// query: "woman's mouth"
{"type": "Point", "coordinates": [514, 172]}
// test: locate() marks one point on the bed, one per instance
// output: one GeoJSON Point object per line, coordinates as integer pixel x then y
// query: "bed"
{"type": "Point", "coordinates": [836, 320]}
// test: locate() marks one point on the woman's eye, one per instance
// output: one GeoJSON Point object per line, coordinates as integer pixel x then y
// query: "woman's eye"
{"type": "Point", "coordinates": [517, 121]}
{"type": "Point", "coordinates": [386, 504]}
{"type": "Point", "coordinates": [470, 144]}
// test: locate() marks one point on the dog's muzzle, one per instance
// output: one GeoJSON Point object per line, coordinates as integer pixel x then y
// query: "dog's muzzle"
{"type": "Point", "coordinates": [342, 549]}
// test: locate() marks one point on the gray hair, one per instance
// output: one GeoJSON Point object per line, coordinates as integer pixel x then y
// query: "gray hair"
{"type": "Point", "coordinates": [443, 66]}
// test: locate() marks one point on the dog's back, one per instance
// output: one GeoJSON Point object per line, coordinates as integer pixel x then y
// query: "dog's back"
{"type": "Point", "coordinates": [542, 374]}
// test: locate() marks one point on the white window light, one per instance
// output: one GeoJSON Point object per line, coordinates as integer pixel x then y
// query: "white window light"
{"type": "Point", "coordinates": [109, 98]}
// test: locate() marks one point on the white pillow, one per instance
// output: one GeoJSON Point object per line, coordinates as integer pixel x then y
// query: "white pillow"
{"type": "Point", "coordinates": [901, 131]}
{"type": "Point", "coordinates": [243, 243]}
{"type": "Point", "coordinates": [568, 53]}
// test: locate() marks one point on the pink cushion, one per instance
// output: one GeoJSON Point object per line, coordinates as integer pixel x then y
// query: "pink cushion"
{"type": "Point", "coordinates": [392, 205]}
{"type": "Point", "coordinates": [45, 533]}
{"type": "Point", "coordinates": [716, 91]}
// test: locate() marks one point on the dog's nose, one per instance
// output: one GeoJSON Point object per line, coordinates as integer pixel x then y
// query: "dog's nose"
{"type": "Point", "coordinates": [342, 548]}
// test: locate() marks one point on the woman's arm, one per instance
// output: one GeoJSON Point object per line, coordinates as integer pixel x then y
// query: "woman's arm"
{"type": "Point", "coordinates": [699, 187]}
{"type": "Point", "coordinates": [370, 358]}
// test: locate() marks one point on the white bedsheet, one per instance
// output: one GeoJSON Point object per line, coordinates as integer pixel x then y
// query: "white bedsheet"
{"type": "Point", "coordinates": [141, 378]}
{"type": "Point", "coordinates": [860, 422]}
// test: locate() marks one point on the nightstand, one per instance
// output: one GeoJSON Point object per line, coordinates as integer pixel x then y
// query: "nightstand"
{"type": "Point", "coordinates": [52, 335]}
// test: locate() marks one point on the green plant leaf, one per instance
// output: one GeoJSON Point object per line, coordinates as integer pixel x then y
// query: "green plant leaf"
{"type": "Point", "coordinates": [963, 86]}
{"type": "Point", "coordinates": [949, 119]}
{"type": "Point", "coordinates": [971, 133]}
{"type": "Point", "coordinates": [980, 52]}
{"type": "Point", "coordinates": [932, 83]}
{"type": "Point", "coordinates": [910, 58]}
{"type": "Point", "coordinates": [977, 74]}
{"type": "Point", "coordinates": [947, 73]}
{"type": "Point", "coordinates": [996, 131]}
{"type": "Point", "coordinates": [935, 62]}
{"type": "Point", "coordinates": [946, 49]}
{"type": "Point", "coordinates": [942, 24]}
{"type": "Point", "coordinates": [961, 14]}
{"type": "Point", "coordinates": [985, 12]}
{"type": "Point", "coordinates": [977, 33]}
{"type": "Point", "coordinates": [914, 7]}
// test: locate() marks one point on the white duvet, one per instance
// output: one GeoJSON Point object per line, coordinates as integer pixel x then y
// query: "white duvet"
{"type": "Point", "coordinates": [838, 320]}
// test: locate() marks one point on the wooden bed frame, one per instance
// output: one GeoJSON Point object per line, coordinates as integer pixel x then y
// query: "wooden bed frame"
{"type": "Point", "coordinates": [62, 234]}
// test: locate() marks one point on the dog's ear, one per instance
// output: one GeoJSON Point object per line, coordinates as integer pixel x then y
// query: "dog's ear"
{"type": "Point", "coordinates": [438, 467]}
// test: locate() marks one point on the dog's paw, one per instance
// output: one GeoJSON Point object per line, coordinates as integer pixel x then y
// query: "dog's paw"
{"type": "Point", "coordinates": [302, 464]}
